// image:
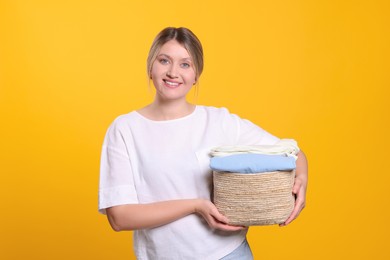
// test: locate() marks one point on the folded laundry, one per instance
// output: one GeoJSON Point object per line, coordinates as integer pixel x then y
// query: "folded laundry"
{"type": "Point", "coordinates": [252, 163]}
{"type": "Point", "coordinates": [287, 147]}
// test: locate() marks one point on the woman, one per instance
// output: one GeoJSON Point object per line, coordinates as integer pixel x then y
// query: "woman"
{"type": "Point", "coordinates": [155, 176]}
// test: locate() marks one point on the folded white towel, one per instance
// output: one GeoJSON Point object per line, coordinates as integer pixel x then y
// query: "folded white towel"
{"type": "Point", "coordinates": [287, 147]}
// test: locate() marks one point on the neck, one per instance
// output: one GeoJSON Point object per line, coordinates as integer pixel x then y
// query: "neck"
{"type": "Point", "coordinates": [163, 110]}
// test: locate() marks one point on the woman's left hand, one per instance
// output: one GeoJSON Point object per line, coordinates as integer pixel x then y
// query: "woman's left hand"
{"type": "Point", "coordinates": [299, 188]}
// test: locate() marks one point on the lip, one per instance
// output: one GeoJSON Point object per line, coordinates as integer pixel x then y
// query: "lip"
{"type": "Point", "coordinates": [171, 83]}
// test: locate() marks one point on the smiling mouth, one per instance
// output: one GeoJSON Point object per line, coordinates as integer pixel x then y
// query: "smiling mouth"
{"type": "Point", "coordinates": [171, 84]}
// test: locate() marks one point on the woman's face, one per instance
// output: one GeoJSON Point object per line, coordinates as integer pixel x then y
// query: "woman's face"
{"type": "Point", "coordinates": [173, 73]}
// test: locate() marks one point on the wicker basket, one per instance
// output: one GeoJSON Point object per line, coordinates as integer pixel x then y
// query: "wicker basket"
{"type": "Point", "coordinates": [254, 199]}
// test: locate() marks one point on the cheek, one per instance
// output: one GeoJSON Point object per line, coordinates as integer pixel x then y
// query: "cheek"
{"type": "Point", "coordinates": [156, 69]}
{"type": "Point", "coordinates": [191, 76]}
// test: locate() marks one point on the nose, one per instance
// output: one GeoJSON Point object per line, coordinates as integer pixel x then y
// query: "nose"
{"type": "Point", "coordinates": [172, 72]}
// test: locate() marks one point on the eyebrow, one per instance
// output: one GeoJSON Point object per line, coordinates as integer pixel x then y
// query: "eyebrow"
{"type": "Point", "coordinates": [169, 57]}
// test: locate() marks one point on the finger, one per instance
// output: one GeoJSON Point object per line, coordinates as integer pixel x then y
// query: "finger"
{"type": "Point", "coordinates": [215, 223]}
{"type": "Point", "coordinates": [297, 210]}
{"type": "Point", "coordinates": [297, 186]}
{"type": "Point", "coordinates": [219, 217]}
{"type": "Point", "coordinates": [293, 216]}
{"type": "Point", "coordinates": [299, 205]}
{"type": "Point", "coordinates": [230, 227]}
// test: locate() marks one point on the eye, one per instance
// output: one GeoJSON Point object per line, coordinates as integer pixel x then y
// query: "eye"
{"type": "Point", "coordinates": [185, 65]}
{"type": "Point", "coordinates": [163, 61]}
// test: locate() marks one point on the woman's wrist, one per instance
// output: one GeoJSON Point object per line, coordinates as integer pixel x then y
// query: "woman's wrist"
{"type": "Point", "coordinates": [198, 205]}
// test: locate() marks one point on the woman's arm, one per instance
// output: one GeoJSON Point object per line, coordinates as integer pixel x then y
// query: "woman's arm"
{"type": "Point", "coordinates": [300, 186]}
{"type": "Point", "coordinates": [141, 216]}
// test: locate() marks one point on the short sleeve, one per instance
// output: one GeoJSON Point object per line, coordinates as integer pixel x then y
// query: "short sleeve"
{"type": "Point", "coordinates": [249, 133]}
{"type": "Point", "coordinates": [116, 184]}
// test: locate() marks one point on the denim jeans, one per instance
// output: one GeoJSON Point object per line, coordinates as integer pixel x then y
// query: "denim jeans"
{"type": "Point", "coordinates": [243, 252]}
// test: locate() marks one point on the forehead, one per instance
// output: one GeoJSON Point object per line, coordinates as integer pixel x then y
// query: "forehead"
{"type": "Point", "coordinates": [175, 50]}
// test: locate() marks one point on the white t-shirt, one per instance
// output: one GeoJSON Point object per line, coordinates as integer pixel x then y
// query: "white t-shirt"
{"type": "Point", "coordinates": [145, 161]}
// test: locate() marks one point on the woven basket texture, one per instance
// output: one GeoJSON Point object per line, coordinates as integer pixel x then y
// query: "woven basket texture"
{"type": "Point", "coordinates": [254, 199]}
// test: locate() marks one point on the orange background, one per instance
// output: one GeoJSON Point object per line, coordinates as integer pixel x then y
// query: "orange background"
{"type": "Point", "coordinates": [315, 71]}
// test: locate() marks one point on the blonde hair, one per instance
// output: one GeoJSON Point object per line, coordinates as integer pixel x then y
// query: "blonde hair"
{"type": "Point", "coordinates": [183, 36]}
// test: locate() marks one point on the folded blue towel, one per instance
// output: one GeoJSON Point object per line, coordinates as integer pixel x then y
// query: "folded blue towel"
{"type": "Point", "coordinates": [252, 163]}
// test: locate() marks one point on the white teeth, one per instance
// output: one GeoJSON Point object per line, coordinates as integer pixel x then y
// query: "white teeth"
{"type": "Point", "coordinates": [172, 83]}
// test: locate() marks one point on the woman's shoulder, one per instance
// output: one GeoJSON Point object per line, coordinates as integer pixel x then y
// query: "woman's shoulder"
{"type": "Point", "coordinates": [215, 110]}
{"type": "Point", "coordinates": [220, 113]}
{"type": "Point", "coordinates": [124, 120]}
